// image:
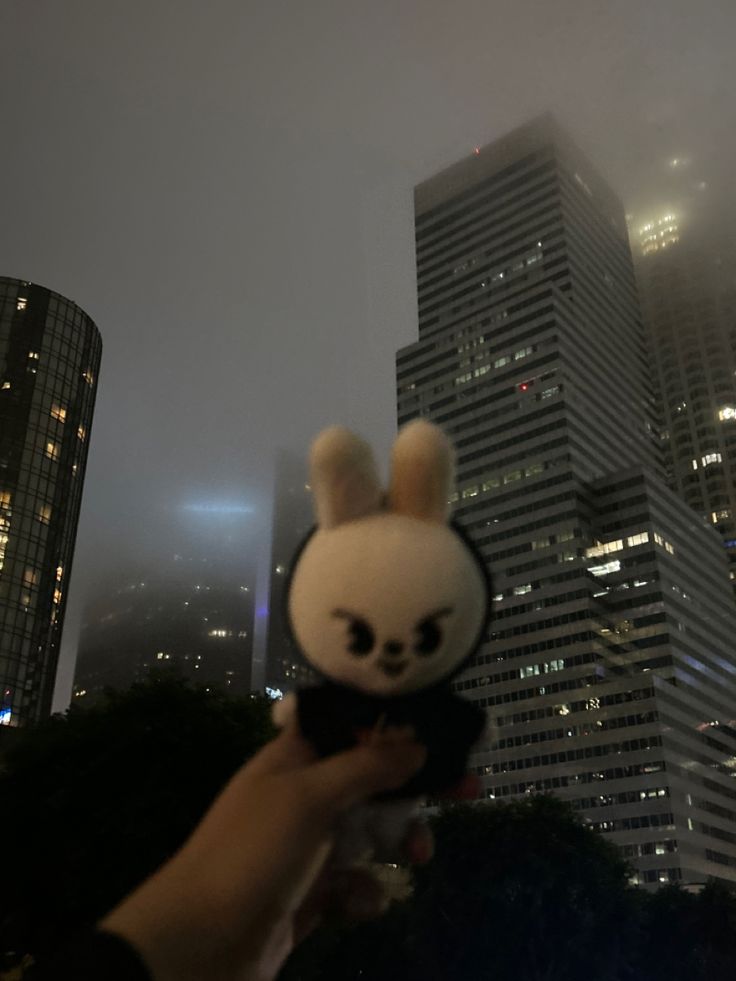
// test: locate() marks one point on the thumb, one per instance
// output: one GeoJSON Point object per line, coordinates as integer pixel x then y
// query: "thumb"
{"type": "Point", "coordinates": [338, 782]}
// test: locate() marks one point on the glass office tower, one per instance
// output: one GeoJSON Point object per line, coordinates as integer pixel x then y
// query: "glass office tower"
{"type": "Point", "coordinates": [49, 363]}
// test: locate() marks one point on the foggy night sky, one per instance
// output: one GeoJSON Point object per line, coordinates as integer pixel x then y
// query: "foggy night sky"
{"type": "Point", "coordinates": [226, 188]}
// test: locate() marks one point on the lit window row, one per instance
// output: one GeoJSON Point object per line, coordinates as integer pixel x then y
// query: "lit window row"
{"type": "Point", "coordinates": [544, 668]}
{"type": "Point", "coordinates": [606, 548]}
{"type": "Point", "coordinates": [493, 483]}
{"type": "Point", "coordinates": [707, 459]}
{"type": "Point", "coordinates": [667, 546]}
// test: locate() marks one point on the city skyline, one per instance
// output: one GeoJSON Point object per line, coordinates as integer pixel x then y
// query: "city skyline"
{"type": "Point", "coordinates": [237, 212]}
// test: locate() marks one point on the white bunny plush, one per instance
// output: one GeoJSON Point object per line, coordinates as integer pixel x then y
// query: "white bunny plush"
{"type": "Point", "coordinates": [387, 601]}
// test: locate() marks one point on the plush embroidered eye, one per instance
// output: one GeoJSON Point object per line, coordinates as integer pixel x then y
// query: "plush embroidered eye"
{"type": "Point", "coordinates": [430, 632]}
{"type": "Point", "coordinates": [362, 638]}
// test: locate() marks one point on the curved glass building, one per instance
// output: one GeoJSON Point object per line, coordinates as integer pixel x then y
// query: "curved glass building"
{"type": "Point", "coordinates": [49, 362]}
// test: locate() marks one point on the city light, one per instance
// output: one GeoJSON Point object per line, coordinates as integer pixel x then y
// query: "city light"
{"type": "Point", "coordinates": [215, 508]}
{"type": "Point", "coordinates": [659, 233]}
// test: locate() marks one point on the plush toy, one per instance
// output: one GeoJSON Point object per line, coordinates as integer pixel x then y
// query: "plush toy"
{"type": "Point", "coordinates": [387, 602]}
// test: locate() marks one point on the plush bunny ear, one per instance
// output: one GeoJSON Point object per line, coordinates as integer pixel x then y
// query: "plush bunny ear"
{"type": "Point", "coordinates": [421, 472]}
{"type": "Point", "coordinates": [344, 477]}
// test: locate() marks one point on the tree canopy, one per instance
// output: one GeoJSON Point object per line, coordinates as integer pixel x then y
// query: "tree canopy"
{"type": "Point", "coordinates": [97, 799]}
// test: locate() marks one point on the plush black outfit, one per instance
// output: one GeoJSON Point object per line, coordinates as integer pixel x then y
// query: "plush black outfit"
{"type": "Point", "coordinates": [333, 717]}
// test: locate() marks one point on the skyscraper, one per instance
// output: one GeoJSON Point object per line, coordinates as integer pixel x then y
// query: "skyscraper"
{"type": "Point", "coordinates": [608, 673]}
{"type": "Point", "coordinates": [189, 610]}
{"type": "Point", "coordinates": [49, 363]}
{"type": "Point", "coordinates": [193, 623]}
{"type": "Point", "coordinates": [293, 516]}
{"type": "Point", "coordinates": [688, 295]}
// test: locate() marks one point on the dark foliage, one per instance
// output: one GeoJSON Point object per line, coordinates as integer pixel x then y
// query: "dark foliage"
{"type": "Point", "coordinates": [95, 800]}
{"type": "Point", "coordinates": [522, 890]}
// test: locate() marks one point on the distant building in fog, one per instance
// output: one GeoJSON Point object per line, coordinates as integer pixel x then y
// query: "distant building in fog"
{"type": "Point", "coordinates": [49, 364]}
{"type": "Point", "coordinates": [293, 517]}
{"type": "Point", "coordinates": [687, 287]}
{"type": "Point", "coordinates": [193, 614]}
{"type": "Point", "coordinates": [608, 674]}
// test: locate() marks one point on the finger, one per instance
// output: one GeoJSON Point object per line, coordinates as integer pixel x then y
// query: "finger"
{"type": "Point", "coordinates": [336, 783]}
{"type": "Point", "coordinates": [288, 751]}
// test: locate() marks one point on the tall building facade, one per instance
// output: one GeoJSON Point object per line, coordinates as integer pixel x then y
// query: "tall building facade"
{"type": "Point", "coordinates": [49, 364]}
{"type": "Point", "coordinates": [687, 288]}
{"type": "Point", "coordinates": [608, 672]}
{"type": "Point", "coordinates": [190, 612]}
{"type": "Point", "coordinates": [293, 517]}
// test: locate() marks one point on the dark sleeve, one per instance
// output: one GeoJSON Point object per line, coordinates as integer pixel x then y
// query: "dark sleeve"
{"type": "Point", "coordinates": [328, 718]}
{"type": "Point", "coordinates": [94, 956]}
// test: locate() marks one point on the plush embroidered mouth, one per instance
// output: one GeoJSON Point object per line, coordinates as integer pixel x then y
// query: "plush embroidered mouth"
{"type": "Point", "coordinates": [391, 668]}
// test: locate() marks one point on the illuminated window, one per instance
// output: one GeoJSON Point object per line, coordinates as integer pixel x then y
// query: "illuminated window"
{"type": "Point", "coordinates": [491, 483]}
{"type": "Point", "coordinates": [723, 515]}
{"type": "Point", "coordinates": [483, 370]}
{"type": "Point", "coordinates": [470, 492]}
{"type": "Point", "coordinates": [30, 577]}
{"type": "Point", "coordinates": [5, 385]}
{"type": "Point", "coordinates": [53, 450]}
{"type": "Point", "coordinates": [604, 548]}
{"type": "Point", "coordinates": [639, 539]}
{"type": "Point", "coordinates": [605, 569]}
{"type": "Point", "coordinates": [509, 478]}
{"type": "Point", "coordinates": [500, 362]}
{"type": "Point", "coordinates": [59, 573]}
{"type": "Point", "coordinates": [88, 377]}
{"type": "Point", "coordinates": [453, 498]}
{"type": "Point", "coordinates": [34, 355]}
{"type": "Point", "coordinates": [280, 570]}
{"type": "Point", "coordinates": [461, 379]}
{"type": "Point", "coordinates": [22, 303]}
{"type": "Point", "coordinates": [727, 412]}
{"type": "Point", "coordinates": [523, 353]}
{"type": "Point", "coordinates": [44, 514]}
{"type": "Point", "coordinates": [58, 412]}
{"type": "Point", "coordinates": [82, 433]}
{"type": "Point", "coordinates": [5, 500]}
{"type": "Point", "coordinates": [219, 632]}
{"type": "Point", "coordinates": [533, 469]}
{"type": "Point", "coordinates": [711, 458]}
{"type": "Point", "coordinates": [57, 596]}
{"type": "Point", "coordinates": [521, 590]}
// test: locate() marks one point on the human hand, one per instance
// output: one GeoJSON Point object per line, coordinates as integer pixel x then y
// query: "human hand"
{"type": "Point", "coordinates": [253, 879]}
